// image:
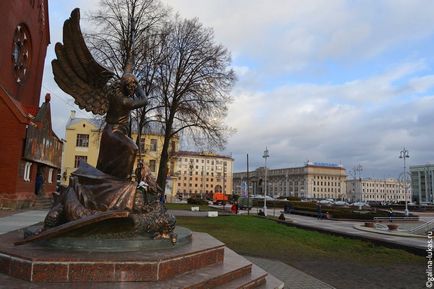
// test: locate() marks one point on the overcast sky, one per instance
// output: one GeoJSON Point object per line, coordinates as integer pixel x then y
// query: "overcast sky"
{"type": "Point", "coordinates": [347, 82]}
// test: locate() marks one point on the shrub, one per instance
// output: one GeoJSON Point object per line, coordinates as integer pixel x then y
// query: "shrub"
{"type": "Point", "coordinates": [341, 213]}
{"type": "Point", "coordinates": [197, 201]}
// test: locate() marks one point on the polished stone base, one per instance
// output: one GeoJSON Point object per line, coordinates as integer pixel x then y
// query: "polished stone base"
{"type": "Point", "coordinates": [203, 263]}
{"type": "Point", "coordinates": [126, 244]}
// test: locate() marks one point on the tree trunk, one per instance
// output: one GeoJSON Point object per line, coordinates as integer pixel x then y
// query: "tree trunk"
{"type": "Point", "coordinates": [162, 170]}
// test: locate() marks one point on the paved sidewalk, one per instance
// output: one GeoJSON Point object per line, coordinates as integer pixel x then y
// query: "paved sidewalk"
{"type": "Point", "coordinates": [185, 213]}
{"type": "Point", "coordinates": [21, 220]}
{"type": "Point", "coordinates": [293, 278]}
{"type": "Point", "coordinates": [347, 228]}
{"type": "Point", "coordinates": [27, 218]}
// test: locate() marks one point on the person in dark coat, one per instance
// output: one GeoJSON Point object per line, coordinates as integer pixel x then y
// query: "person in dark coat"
{"type": "Point", "coordinates": [39, 182]}
{"type": "Point", "coordinates": [319, 212]}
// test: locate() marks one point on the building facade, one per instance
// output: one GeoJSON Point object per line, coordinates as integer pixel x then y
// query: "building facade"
{"type": "Point", "coordinates": [83, 137]}
{"type": "Point", "coordinates": [312, 181]}
{"type": "Point", "coordinates": [422, 183]}
{"type": "Point", "coordinates": [376, 190]}
{"type": "Point", "coordinates": [30, 152]}
{"type": "Point", "coordinates": [202, 173]}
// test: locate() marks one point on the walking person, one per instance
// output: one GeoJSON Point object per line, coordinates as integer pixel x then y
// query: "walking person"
{"type": "Point", "coordinates": [39, 183]}
{"type": "Point", "coordinates": [319, 212]}
{"type": "Point", "coordinates": [390, 214]}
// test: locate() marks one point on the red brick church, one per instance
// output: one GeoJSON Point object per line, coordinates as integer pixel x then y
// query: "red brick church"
{"type": "Point", "coordinates": [30, 153]}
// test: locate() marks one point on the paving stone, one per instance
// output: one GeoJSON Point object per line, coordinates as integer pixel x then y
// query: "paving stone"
{"type": "Point", "coordinates": [292, 277]}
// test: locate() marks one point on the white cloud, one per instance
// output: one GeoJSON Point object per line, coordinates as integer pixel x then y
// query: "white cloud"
{"type": "Point", "coordinates": [338, 123]}
{"type": "Point", "coordinates": [364, 120]}
{"type": "Point", "coordinates": [290, 34]}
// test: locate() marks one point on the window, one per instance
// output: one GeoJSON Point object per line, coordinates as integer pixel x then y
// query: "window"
{"type": "Point", "coordinates": [50, 176]}
{"type": "Point", "coordinates": [82, 140]}
{"type": "Point", "coordinates": [152, 165]}
{"type": "Point", "coordinates": [79, 159]}
{"type": "Point", "coordinates": [142, 145]}
{"type": "Point", "coordinates": [153, 145]}
{"type": "Point", "coordinates": [27, 171]}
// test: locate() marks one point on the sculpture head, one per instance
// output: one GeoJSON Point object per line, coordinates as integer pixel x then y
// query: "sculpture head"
{"type": "Point", "coordinates": [129, 84]}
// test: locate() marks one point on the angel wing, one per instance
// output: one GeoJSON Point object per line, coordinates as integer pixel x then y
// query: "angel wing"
{"type": "Point", "coordinates": [76, 71]}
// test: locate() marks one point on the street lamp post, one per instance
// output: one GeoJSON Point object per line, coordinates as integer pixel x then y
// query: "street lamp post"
{"type": "Point", "coordinates": [404, 155]}
{"type": "Point", "coordinates": [265, 156]}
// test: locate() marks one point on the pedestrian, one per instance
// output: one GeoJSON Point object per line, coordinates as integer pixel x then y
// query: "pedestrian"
{"type": "Point", "coordinates": [319, 212]}
{"type": "Point", "coordinates": [234, 209]}
{"type": "Point", "coordinates": [287, 208]}
{"type": "Point", "coordinates": [390, 214]}
{"type": "Point", "coordinates": [39, 183]}
{"type": "Point", "coordinates": [162, 198]}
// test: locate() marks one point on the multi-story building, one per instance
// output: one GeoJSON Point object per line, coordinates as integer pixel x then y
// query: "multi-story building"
{"type": "Point", "coordinates": [202, 173]}
{"type": "Point", "coordinates": [376, 190]}
{"type": "Point", "coordinates": [422, 183]}
{"type": "Point", "coordinates": [313, 180]}
{"type": "Point", "coordinates": [83, 139]}
{"type": "Point", "coordinates": [30, 152]}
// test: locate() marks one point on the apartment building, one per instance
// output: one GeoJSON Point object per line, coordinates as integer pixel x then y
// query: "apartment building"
{"type": "Point", "coordinates": [202, 173]}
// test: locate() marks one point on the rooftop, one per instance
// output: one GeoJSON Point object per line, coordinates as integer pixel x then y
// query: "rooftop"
{"type": "Point", "coordinates": [201, 154]}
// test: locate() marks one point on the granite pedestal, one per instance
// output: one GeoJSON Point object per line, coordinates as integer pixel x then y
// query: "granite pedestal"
{"type": "Point", "coordinates": [204, 262]}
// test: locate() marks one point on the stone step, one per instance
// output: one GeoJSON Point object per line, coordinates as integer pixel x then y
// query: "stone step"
{"type": "Point", "coordinates": [43, 203]}
{"type": "Point", "coordinates": [256, 278]}
{"type": "Point", "coordinates": [234, 273]}
{"type": "Point", "coordinates": [272, 282]}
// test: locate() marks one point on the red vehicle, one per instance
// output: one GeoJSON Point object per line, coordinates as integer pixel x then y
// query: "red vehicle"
{"type": "Point", "coordinates": [219, 198]}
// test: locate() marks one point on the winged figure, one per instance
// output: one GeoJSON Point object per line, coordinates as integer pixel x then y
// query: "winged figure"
{"type": "Point", "coordinates": [108, 187]}
{"type": "Point", "coordinates": [97, 90]}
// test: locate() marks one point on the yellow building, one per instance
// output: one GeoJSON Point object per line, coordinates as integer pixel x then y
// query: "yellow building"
{"type": "Point", "coordinates": [202, 173]}
{"type": "Point", "coordinates": [83, 138]}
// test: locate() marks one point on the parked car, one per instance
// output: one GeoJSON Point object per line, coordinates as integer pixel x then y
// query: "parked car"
{"type": "Point", "coordinates": [325, 202]}
{"type": "Point", "coordinates": [262, 196]}
{"type": "Point", "coordinates": [360, 204]}
{"type": "Point", "coordinates": [341, 203]}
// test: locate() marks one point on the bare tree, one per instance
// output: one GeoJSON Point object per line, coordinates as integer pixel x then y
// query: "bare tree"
{"type": "Point", "coordinates": [125, 28]}
{"type": "Point", "coordinates": [194, 81]}
{"type": "Point", "coordinates": [183, 72]}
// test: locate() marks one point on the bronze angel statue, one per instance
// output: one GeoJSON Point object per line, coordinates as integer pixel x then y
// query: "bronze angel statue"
{"type": "Point", "coordinates": [108, 186]}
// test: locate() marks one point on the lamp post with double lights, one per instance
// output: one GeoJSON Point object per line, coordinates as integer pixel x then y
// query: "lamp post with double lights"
{"type": "Point", "coordinates": [404, 155]}
{"type": "Point", "coordinates": [265, 156]}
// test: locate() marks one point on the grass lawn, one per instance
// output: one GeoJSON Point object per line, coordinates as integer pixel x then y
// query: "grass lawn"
{"type": "Point", "coordinates": [187, 207]}
{"type": "Point", "coordinates": [325, 256]}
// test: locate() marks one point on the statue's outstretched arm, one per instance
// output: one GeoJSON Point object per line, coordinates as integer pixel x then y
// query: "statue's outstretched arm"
{"type": "Point", "coordinates": [138, 103]}
{"type": "Point", "coordinates": [141, 101]}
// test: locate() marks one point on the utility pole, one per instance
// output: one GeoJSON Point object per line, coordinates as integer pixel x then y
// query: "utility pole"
{"type": "Point", "coordinates": [265, 156]}
{"type": "Point", "coordinates": [404, 155]}
{"type": "Point", "coordinates": [248, 184]}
